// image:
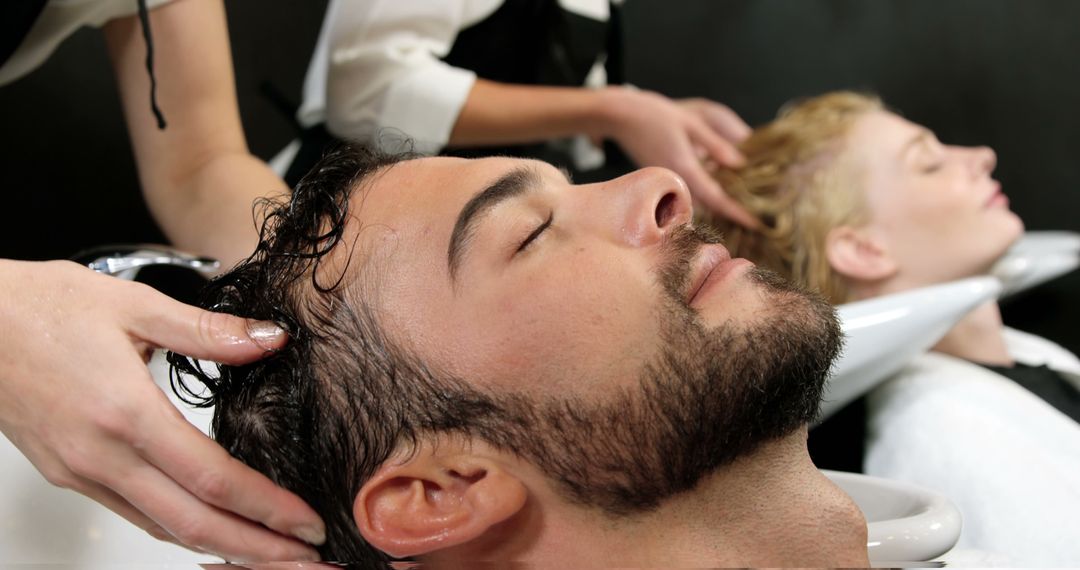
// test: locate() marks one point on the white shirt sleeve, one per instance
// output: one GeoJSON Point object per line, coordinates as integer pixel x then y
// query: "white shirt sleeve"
{"type": "Point", "coordinates": [384, 72]}
{"type": "Point", "coordinates": [58, 20]}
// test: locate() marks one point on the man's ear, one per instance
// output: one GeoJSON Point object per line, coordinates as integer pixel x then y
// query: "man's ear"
{"type": "Point", "coordinates": [437, 498]}
{"type": "Point", "coordinates": [858, 255]}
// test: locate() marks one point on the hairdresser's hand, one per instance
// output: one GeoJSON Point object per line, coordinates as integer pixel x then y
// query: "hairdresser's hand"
{"type": "Point", "coordinates": [657, 131]}
{"type": "Point", "coordinates": [77, 398]}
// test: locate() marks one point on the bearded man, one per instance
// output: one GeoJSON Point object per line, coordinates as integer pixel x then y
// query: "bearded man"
{"type": "Point", "coordinates": [490, 363]}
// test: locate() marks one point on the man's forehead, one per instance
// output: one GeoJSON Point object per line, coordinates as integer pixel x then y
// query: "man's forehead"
{"type": "Point", "coordinates": [424, 186]}
{"type": "Point", "coordinates": [414, 204]}
{"type": "Point", "coordinates": [427, 193]}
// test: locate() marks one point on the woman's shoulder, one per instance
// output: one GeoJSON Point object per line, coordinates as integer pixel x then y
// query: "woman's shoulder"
{"type": "Point", "coordinates": [946, 393]}
{"type": "Point", "coordinates": [1035, 350]}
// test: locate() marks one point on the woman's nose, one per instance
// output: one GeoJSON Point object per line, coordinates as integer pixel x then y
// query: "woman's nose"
{"type": "Point", "coordinates": [654, 201]}
{"type": "Point", "coordinates": [985, 160]}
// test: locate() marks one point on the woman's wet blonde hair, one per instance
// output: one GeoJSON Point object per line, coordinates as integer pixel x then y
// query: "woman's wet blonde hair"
{"type": "Point", "coordinates": [800, 182]}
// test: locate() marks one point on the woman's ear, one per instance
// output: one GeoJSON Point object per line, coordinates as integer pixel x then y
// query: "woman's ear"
{"type": "Point", "coordinates": [436, 499]}
{"type": "Point", "coordinates": [858, 255]}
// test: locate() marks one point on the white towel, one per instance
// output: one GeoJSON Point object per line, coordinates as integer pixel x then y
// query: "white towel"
{"type": "Point", "coordinates": [1009, 461]}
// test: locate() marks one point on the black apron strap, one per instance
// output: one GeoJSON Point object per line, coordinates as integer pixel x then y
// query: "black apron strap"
{"type": "Point", "coordinates": [16, 19]}
{"type": "Point", "coordinates": [531, 42]}
{"type": "Point", "coordinates": [144, 19]}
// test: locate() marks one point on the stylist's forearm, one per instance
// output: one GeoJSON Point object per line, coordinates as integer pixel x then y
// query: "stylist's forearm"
{"type": "Point", "coordinates": [211, 211]}
{"type": "Point", "coordinates": [498, 113]}
{"type": "Point", "coordinates": [197, 175]}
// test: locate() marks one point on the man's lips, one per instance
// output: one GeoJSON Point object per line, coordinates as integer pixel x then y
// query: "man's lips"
{"type": "Point", "coordinates": [711, 265]}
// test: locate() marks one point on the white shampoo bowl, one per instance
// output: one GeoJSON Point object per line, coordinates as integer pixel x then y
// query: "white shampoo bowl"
{"type": "Point", "coordinates": [884, 333]}
{"type": "Point", "coordinates": [1037, 258]}
{"type": "Point", "coordinates": [905, 523]}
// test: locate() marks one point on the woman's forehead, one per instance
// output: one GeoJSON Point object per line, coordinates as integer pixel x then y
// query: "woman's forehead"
{"type": "Point", "coordinates": [882, 130]}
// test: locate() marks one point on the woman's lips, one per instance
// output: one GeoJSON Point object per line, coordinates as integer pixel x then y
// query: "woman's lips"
{"type": "Point", "coordinates": [713, 265]}
{"type": "Point", "coordinates": [997, 199]}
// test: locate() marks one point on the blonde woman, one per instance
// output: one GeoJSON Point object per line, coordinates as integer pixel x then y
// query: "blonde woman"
{"type": "Point", "coordinates": [858, 202]}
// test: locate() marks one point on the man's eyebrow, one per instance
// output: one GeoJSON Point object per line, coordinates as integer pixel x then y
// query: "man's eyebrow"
{"type": "Point", "coordinates": [510, 185]}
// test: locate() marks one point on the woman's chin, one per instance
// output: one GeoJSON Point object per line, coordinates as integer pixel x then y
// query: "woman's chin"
{"type": "Point", "coordinates": [1005, 234]}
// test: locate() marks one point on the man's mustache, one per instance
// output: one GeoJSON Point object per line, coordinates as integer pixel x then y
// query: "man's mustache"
{"type": "Point", "coordinates": [678, 250]}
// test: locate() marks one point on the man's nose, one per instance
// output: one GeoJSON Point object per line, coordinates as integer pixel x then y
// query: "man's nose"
{"type": "Point", "coordinates": [655, 200]}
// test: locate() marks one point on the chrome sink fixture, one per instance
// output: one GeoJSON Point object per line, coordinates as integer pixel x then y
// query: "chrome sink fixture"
{"type": "Point", "coordinates": [125, 261]}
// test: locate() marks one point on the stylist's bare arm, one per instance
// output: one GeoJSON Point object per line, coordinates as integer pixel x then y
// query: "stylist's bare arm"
{"type": "Point", "coordinates": [76, 397]}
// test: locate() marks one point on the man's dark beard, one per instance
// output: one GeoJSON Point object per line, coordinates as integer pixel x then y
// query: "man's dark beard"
{"type": "Point", "coordinates": [711, 396]}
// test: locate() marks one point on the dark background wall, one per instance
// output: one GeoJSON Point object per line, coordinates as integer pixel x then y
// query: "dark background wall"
{"type": "Point", "coordinates": [1004, 73]}
{"type": "Point", "coordinates": [999, 72]}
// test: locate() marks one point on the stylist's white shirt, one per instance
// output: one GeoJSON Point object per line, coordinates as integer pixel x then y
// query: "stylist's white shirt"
{"type": "Point", "coordinates": [378, 64]}
{"type": "Point", "coordinates": [58, 20]}
{"type": "Point", "coordinates": [1009, 460]}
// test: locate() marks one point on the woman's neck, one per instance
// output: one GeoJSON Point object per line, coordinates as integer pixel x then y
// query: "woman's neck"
{"type": "Point", "coordinates": [978, 337]}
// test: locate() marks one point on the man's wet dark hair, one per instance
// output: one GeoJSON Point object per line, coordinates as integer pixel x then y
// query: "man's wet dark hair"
{"type": "Point", "coordinates": [338, 391]}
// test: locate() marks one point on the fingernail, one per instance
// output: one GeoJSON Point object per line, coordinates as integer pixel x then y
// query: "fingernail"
{"type": "Point", "coordinates": [266, 334]}
{"type": "Point", "coordinates": [310, 534]}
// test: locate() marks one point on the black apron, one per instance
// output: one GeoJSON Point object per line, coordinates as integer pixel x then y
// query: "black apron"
{"type": "Point", "coordinates": [530, 42]}
{"type": "Point", "coordinates": [524, 42]}
{"type": "Point", "coordinates": [1046, 383]}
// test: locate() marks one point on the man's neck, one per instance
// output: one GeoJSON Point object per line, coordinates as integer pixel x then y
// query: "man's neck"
{"type": "Point", "coordinates": [978, 337]}
{"type": "Point", "coordinates": [772, 508]}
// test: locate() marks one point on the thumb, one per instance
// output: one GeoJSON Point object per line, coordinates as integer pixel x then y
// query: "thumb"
{"type": "Point", "coordinates": [228, 339]}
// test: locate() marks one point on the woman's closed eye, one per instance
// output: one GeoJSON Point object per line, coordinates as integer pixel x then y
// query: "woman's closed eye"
{"type": "Point", "coordinates": [536, 233]}
{"type": "Point", "coordinates": [933, 162]}
{"type": "Point", "coordinates": [933, 167]}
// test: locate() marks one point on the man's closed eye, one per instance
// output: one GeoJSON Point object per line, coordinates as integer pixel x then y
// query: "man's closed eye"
{"type": "Point", "coordinates": [536, 233]}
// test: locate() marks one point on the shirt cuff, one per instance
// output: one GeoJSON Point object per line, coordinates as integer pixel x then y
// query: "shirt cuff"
{"type": "Point", "coordinates": [425, 103]}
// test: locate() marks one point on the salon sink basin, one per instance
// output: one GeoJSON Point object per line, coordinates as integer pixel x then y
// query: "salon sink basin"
{"type": "Point", "coordinates": [1037, 258]}
{"type": "Point", "coordinates": [905, 523]}
{"type": "Point", "coordinates": [884, 333]}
